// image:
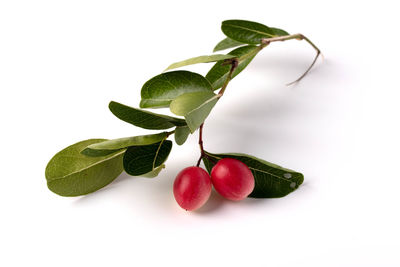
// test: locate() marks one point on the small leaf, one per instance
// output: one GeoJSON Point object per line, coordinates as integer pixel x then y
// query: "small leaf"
{"type": "Point", "coordinates": [279, 32]}
{"type": "Point", "coordinates": [247, 32]}
{"type": "Point", "coordinates": [196, 60]}
{"type": "Point", "coordinates": [69, 173]}
{"type": "Point", "coordinates": [218, 73]}
{"type": "Point", "coordinates": [195, 107]}
{"type": "Point", "coordinates": [120, 143]}
{"type": "Point", "coordinates": [181, 134]}
{"type": "Point", "coordinates": [270, 180]}
{"type": "Point", "coordinates": [226, 43]}
{"type": "Point", "coordinates": [143, 118]}
{"type": "Point", "coordinates": [140, 160]}
{"type": "Point", "coordinates": [159, 91]}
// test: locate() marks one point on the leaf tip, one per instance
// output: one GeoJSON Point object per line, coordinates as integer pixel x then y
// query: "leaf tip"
{"type": "Point", "coordinates": [112, 105]}
{"type": "Point", "coordinates": [142, 104]}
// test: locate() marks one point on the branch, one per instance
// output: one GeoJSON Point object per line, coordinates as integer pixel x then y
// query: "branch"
{"type": "Point", "coordinates": [297, 36]}
{"type": "Point", "coordinates": [234, 63]}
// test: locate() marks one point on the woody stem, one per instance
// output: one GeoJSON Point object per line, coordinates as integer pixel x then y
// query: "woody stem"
{"type": "Point", "coordinates": [234, 64]}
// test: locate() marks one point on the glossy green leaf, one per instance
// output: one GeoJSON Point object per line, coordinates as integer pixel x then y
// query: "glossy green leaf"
{"type": "Point", "coordinates": [121, 143]}
{"type": "Point", "coordinates": [143, 118]}
{"type": "Point", "coordinates": [226, 43]}
{"type": "Point", "coordinates": [200, 59]}
{"type": "Point", "coordinates": [218, 73]}
{"type": "Point", "coordinates": [279, 32]}
{"type": "Point", "coordinates": [181, 134]}
{"type": "Point", "coordinates": [247, 32]}
{"type": "Point", "coordinates": [270, 180]}
{"type": "Point", "coordinates": [69, 173]}
{"type": "Point", "coordinates": [141, 160]}
{"type": "Point", "coordinates": [195, 107]}
{"type": "Point", "coordinates": [159, 91]}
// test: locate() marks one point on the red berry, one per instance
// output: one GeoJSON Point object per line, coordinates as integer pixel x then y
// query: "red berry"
{"type": "Point", "coordinates": [192, 188]}
{"type": "Point", "coordinates": [232, 179]}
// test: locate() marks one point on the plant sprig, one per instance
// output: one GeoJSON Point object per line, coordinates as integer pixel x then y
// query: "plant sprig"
{"type": "Point", "coordinates": [89, 165]}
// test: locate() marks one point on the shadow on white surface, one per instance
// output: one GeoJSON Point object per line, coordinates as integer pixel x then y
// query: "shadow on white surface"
{"type": "Point", "coordinates": [214, 204]}
{"type": "Point", "coordinates": [283, 125]}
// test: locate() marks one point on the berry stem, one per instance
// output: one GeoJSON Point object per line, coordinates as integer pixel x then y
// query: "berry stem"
{"type": "Point", "coordinates": [202, 154]}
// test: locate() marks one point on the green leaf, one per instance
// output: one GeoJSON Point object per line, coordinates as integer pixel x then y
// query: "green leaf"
{"type": "Point", "coordinates": [154, 173]}
{"type": "Point", "coordinates": [111, 146]}
{"type": "Point", "coordinates": [218, 73]}
{"type": "Point", "coordinates": [143, 118]}
{"type": "Point", "coordinates": [181, 134]}
{"type": "Point", "coordinates": [195, 107]}
{"type": "Point", "coordinates": [159, 91]}
{"type": "Point", "coordinates": [196, 60]}
{"type": "Point", "coordinates": [270, 180]}
{"type": "Point", "coordinates": [141, 160]}
{"type": "Point", "coordinates": [226, 43]}
{"type": "Point", "coordinates": [247, 32]}
{"type": "Point", "coordinates": [187, 102]}
{"type": "Point", "coordinates": [97, 152]}
{"type": "Point", "coordinates": [69, 173]}
{"type": "Point", "coordinates": [279, 32]}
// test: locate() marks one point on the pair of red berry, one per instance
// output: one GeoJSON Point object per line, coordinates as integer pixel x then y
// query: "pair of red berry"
{"type": "Point", "coordinates": [231, 178]}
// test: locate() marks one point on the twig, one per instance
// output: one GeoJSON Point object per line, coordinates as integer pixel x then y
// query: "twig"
{"type": "Point", "coordinates": [234, 63]}
{"type": "Point", "coordinates": [201, 144]}
{"type": "Point", "coordinates": [297, 36]}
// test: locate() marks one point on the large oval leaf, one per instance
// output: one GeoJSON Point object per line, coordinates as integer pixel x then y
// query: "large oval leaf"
{"type": "Point", "coordinates": [69, 173]}
{"type": "Point", "coordinates": [200, 59]}
{"type": "Point", "coordinates": [143, 118]}
{"type": "Point", "coordinates": [247, 32]}
{"type": "Point", "coordinates": [195, 107]}
{"type": "Point", "coordinates": [218, 73]}
{"type": "Point", "coordinates": [270, 180]}
{"type": "Point", "coordinates": [226, 43]}
{"type": "Point", "coordinates": [110, 146]}
{"type": "Point", "coordinates": [144, 160]}
{"type": "Point", "coordinates": [159, 91]}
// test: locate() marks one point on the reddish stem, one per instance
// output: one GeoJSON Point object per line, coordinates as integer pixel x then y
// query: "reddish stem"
{"type": "Point", "coordinates": [234, 63]}
{"type": "Point", "coordinates": [202, 154]}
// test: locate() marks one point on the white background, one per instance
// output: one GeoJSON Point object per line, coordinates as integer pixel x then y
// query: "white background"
{"type": "Point", "coordinates": [61, 62]}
